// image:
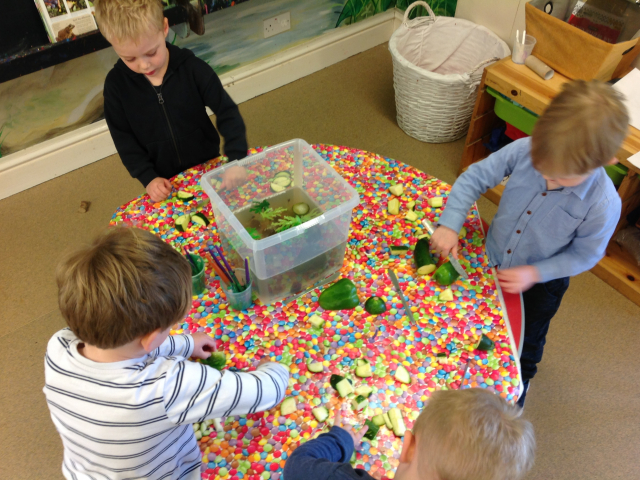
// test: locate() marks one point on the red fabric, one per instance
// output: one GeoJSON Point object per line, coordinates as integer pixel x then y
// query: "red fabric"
{"type": "Point", "coordinates": [513, 306]}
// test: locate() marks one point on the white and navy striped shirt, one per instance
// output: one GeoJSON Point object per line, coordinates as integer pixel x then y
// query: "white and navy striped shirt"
{"type": "Point", "coordinates": [132, 419]}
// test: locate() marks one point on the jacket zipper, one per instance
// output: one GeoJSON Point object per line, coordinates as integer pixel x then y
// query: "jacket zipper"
{"type": "Point", "coordinates": [161, 102]}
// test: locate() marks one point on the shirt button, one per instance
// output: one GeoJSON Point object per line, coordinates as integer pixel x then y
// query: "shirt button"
{"type": "Point", "coordinates": [544, 194]}
{"type": "Point", "coordinates": [528, 212]}
{"type": "Point", "coordinates": [518, 231]}
{"type": "Point", "coordinates": [508, 251]}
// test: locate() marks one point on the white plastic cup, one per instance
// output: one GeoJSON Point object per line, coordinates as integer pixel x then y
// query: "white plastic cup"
{"type": "Point", "coordinates": [522, 50]}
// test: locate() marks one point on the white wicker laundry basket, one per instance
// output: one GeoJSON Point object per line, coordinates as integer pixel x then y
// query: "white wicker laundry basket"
{"type": "Point", "coordinates": [437, 67]}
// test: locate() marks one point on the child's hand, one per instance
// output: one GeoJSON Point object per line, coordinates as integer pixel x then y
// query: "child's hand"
{"type": "Point", "coordinates": [444, 241]}
{"type": "Point", "coordinates": [263, 361]}
{"type": "Point", "coordinates": [357, 437]}
{"type": "Point", "coordinates": [233, 177]}
{"type": "Point", "coordinates": [518, 279]}
{"type": "Point", "coordinates": [159, 189]}
{"type": "Point", "coordinates": [203, 345]}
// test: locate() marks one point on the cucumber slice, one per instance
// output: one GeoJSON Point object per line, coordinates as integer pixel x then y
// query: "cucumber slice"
{"type": "Point", "coordinates": [315, 367]}
{"type": "Point", "coordinates": [398, 249]}
{"type": "Point", "coordinates": [426, 269]}
{"type": "Point", "coordinates": [282, 181]}
{"type": "Point", "coordinates": [321, 413]}
{"type": "Point", "coordinates": [344, 387]}
{"type": "Point", "coordinates": [301, 208]}
{"type": "Point", "coordinates": [316, 321]}
{"type": "Point", "coordinates": [184, 196]}
{"type": "Point", "coordinates": [387, 421]}
{"type": "Point", "coordinates": [182, 222]}
{"type": "Point", "coordinates": [359, 403]}
{"type": "Point", "coordinates": [424, 261]}
{"type": "Point", "coordinates": [397, 422]}
{"type": "Point", "coordinates": [361, 361]}
{"type": "Point", "coordinates": [411, 205]}
{"type": "Point", "coordinates": [364, 371]}
{"type": "Point", "coordinates": [435, 202]}
{"type": "Point", "coordinates": [446, 295]}
{"type": "Point", "coordinates": [485, 344]}
{"type": "Point", "coordinates": [364, 390]}
{"type": "Point", "coordinates": [373, 430]}
{"type": "Point", "coordinates": [402, 375]}
{"type": "Point", "coordinates": [393, 206]}
{"type": "Point", "coordinates": [200, 218]}
{"type": "Point", "coordinates": [288, 406]}
{"type": "Point", "coordinates": [378, 420]}
{"type": "Point", "coordinates": [335, 379]}
{"type": "Point", "coordinates": [397, 190]}
{"type": "Point", "coordinates": [463, 233]}
{"type": "Point", "coordinates": [284, 173]}
{"type": "Point", "coordinates": [411, 216]}
{"type": "Point", "coordinates": [275, 188]}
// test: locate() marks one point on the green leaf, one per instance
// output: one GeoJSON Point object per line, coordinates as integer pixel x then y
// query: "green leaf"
{"type": "Point", "coordinates": [259, 207]}
{"type": "Point", "coordinates": [272, 213]}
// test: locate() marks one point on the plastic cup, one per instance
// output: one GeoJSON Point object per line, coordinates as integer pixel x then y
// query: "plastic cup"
{"type": "Point", "coordinates": [239, 301]}
{"type": "Point", "coordinates": [198, 280]}
{"type": "Point", "coordinates": [522, 50]}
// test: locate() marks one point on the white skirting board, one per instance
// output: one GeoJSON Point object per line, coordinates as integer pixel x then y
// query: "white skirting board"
{"type": "Point", "coordinates": [45, 161]}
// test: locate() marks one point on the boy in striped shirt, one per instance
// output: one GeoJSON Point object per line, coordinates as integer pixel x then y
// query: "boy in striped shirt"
{"type": "Point", "coordinates": [120, 390]}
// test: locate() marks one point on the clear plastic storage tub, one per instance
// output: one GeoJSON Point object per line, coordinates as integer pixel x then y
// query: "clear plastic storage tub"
{"type": "Point", "coordinates": [289, 262]}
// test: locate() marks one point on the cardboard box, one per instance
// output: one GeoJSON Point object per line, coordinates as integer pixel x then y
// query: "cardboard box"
{"type": "Point", "coordinates": [574, 53]}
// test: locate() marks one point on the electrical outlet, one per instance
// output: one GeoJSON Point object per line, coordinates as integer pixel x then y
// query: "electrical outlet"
{"type": "Point", "coordinates": [278, 24]}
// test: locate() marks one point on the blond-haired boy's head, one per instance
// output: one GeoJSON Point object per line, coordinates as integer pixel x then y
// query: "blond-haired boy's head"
{"type": "Point", "coordinates": [126, 284]}
{"type": "Point", "coordinates": [128, 20]}
{"type": "Point", "coordinates": [472, 434]}
{"type": "Point", "coordinates": [582, 129]}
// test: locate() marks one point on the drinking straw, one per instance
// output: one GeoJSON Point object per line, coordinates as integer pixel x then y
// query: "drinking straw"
{"type": "Point", "coordinates": [191, 261]}
{"type": "Point", "coordinates": [220, 266]}
{"type": "Point", "coordinates": [246, 271]}
{"type": "Point", "coordinates": [219, 270]}
{"type": "Point", "coordinates": [229, 269]}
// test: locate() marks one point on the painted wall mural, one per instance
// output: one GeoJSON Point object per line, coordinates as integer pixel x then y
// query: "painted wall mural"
{"type": "Point", "coordinates": [60, 99]}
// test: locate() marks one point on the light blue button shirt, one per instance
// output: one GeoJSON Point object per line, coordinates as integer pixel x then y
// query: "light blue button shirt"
{"type": "Point", "coordinates": [562, 232]}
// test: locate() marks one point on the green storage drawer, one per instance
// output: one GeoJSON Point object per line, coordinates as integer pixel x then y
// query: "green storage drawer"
{"type": "Point", "coordinates": [616, 173]}
{"type": "Point", "coordinates": [514, 114]}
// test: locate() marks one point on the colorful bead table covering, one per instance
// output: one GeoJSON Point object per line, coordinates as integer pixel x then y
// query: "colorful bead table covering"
{"type": "Point", "coordinates": [437, 347]}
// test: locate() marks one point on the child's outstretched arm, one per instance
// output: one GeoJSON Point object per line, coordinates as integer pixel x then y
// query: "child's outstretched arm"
{"type": "Point", "coordinates": [327, 456]}
{"type": "Point", "coordinates": [133, 155]}
{"type": "Point", "coordinates": [194, 392]}
{"type": "Point", "coordinates": [478, 178]}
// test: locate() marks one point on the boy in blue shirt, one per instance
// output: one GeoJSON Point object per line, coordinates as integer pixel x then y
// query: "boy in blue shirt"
{"type": "Point", "coordinates": [155, 99]}
{"type": "Point", "coordinates": [558, 211]}
{"type": "Point", "coordinates": [468, 434]}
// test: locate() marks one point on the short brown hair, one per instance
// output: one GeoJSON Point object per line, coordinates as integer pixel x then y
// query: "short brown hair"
{"type": "Point", "coordinates": [582, 129]}
{"type": "Point", "coordinates": [121, 20]}
{"type": "Point", "coordinates": [126, 284]}
{"type": "Point", "coordinates": [473, 434]}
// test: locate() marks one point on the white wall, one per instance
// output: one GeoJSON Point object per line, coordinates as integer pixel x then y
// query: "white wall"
{"type": "Point", "coordinates": [503, 17]}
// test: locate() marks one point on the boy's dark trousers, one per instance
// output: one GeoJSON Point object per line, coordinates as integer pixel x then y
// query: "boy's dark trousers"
{"type": "Point", "coordinates": [541, 302]}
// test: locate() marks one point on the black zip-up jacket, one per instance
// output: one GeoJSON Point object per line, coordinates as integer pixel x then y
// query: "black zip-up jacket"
{"type": "Point", "coordinates": [161, 132]}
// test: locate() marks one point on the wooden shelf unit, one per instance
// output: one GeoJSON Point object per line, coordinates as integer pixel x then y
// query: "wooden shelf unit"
{"type": "Point", "coordinates": [523, 86]}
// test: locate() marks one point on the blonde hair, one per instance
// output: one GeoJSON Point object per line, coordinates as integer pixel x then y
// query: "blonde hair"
{"type": "Point", "coordinates": [582, 129]}
{"type": "Point", "coordinates": [123, 20]}
{"type": "Point", "coordinates": [126, 284]}
{"type": "Point", "coordinates": [473, 434]}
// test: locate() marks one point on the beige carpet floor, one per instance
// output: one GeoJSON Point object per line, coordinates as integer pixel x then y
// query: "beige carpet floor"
{"type": "Point", "coordinates": [584, 403]}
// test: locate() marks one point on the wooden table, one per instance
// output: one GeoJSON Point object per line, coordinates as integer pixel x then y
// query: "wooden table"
{"type": "Point", "coordinates": [521, 85]}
